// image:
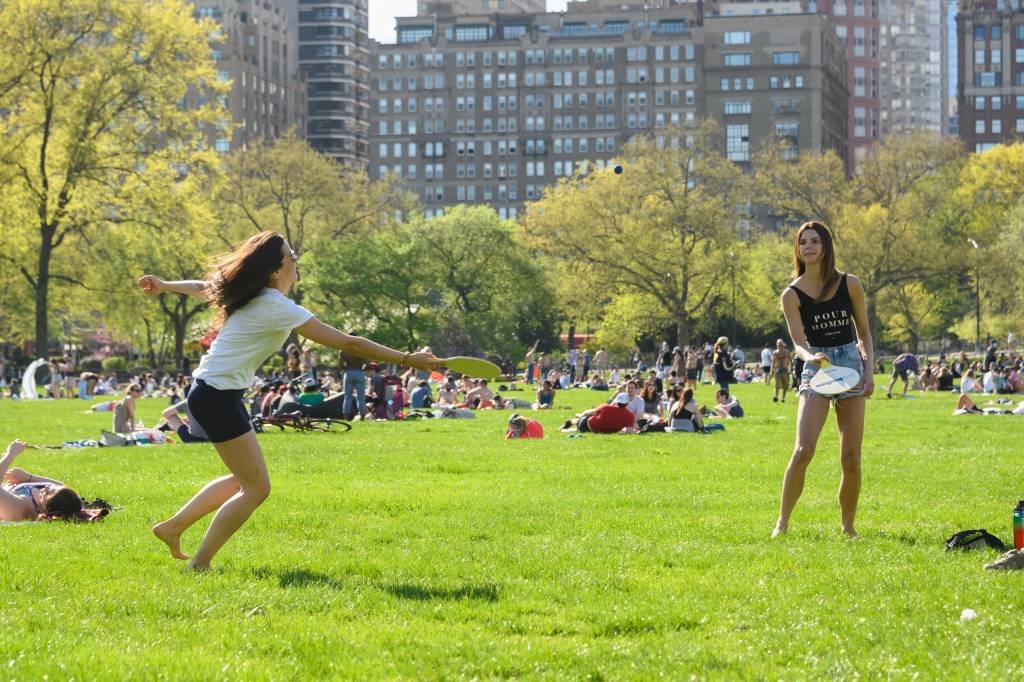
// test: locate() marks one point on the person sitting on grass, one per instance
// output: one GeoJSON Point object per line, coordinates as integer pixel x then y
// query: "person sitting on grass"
{"type": "Point", "coordinates": [609, 418]}
{"type": "Point", "coordinates": [521, 427]}
{"type": "Point", "coordinates": [970, 383]}
{"type": "Point", "coordinates": [421, 396]}
{"type": "Point", "coordinates": [683, 414]}
{"type": "Point", "coordinates": [445, 395]}
{"type": "Point", "coordinates": [179, 419]}
{"type": "Point", "coordinates": [25, 496]}
{"type": "Point", "coordinates": [726, 406]}
{"type": "Point", "coordinates": [124, 409]}
{"type": "Point", "coordinates": [481, 397]}
{"type": "Point", "coordinates": [597, 383]}
{"type": "Point", "coordinates": [311, 394]}
{"type": "Point", "coordinates": [545, 396]}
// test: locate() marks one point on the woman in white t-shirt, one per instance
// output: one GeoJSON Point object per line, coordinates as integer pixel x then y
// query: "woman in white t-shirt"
{"type": "Point", "coordinates": [248, 287]}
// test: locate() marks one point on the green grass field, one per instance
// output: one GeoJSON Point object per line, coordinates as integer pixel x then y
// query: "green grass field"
{"type": "Point", "coordinates": [435, 549]}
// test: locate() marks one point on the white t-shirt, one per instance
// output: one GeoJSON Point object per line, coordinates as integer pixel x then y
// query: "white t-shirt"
{"type": "Point", "coordinates": [766, 357]}
{"type": "Point", "coordinates": [249, 336]}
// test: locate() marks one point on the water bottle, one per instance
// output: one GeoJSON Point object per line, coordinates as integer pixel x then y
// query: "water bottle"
{"type": "Point", "coordinates": [1018, 526]}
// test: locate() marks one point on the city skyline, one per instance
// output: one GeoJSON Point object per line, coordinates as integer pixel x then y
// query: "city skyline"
{"type": "Point", "coordinates": [383, 15]}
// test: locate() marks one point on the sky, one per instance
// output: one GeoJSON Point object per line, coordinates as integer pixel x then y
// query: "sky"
{"type": "Point", "coordinates": [383, 13]}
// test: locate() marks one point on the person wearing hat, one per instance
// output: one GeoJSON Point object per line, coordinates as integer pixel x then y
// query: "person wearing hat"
{"type": "Point", "coordinates": [521, 427]}
{"type": "Point", "coordinates": [311, 394]}
{"type": "Point", "coordinates": [611, 418]}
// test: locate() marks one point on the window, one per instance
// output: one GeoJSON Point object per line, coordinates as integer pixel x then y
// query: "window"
{"type": "Point", "coordinates": [735, 108]}
{"type": "Point", "coordinates": [997, 103]}
{"type": "Point", "coordinates": [979, 126]}
{"type": "Point", "coordinates": [979, 33]}
{"type": "Point", "coordinates": [785, 58]}
{"type": "Point", "coordinates": [1020, 125]}
{"type": "Point", "coordinates": [860, 122]}
{"type": "Point", "coordinates": [470, 33]}
{"type": "Point", "coordinates": [859, 88]}
{"type": "Point", "coordinates": [737, 59]}
{"type": "Point", "coordinates": [737, 142]}
{"type": "Point", "coordinates": [979, 104]}
{"type": "Point", "coordinates": [997, 126]}
{"type": "Point", "coordinates": [997, 32]}
{"type": "Point", "coordinates": [736, 37]}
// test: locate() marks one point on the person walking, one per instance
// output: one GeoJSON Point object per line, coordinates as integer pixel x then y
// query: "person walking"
{"type": "Point", "coordinates": [827, 319]}
{"type": "Point", "coordinates": [248, 287]}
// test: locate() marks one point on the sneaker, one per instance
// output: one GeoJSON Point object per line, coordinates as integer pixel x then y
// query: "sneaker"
{"type": "Point", "coordinates": [775, 399]}
{"type": "Point", "coordinates": [1012, 560]}
{"type": "Point", "coordinates": [568, 424]}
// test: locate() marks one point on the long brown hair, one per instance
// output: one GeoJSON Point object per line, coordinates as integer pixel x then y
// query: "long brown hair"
{"type": "Point", "coordinates": [63, 503]}
{"type": "Point", "coordinates": [240, 275]}
{"type": "Point", "coordinates": [829, 275]}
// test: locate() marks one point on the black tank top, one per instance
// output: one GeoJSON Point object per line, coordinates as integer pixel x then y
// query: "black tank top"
{"type": "Point", "coordinates": [827, 324]}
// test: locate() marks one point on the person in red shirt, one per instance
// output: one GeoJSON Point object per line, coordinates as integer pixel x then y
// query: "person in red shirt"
{"type": "Point", "coordinates": [521, 427]}
{"type": "Point", "coordinates": [611, 418]}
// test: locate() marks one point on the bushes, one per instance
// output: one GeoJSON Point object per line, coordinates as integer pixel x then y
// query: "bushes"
{"type": "Point", "coordinates": [115, 363]}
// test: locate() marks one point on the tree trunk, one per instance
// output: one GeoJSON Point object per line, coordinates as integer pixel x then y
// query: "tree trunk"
{"type": "Point", "coordinates": [42, 292]}
{"type": "Point", "coordinates": [682, 331]}
{"type": "Point", "coordinates": [872, 311]}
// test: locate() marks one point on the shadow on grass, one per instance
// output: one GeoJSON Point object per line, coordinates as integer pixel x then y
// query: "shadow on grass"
{"type": "Point", "coordinates": [301, 578]}
{"type": "Point", "coordinates": [486, 592]}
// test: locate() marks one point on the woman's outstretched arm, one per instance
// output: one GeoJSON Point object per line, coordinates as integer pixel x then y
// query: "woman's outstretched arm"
{"type": "Point", "coordinates": [326, 335]}
{"type": "Point", "coordinates": [153, 285]}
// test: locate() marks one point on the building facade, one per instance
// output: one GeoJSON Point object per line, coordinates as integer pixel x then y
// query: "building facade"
{"type": "Point", "coordinates": [333, 49]}
{"type": "Point", "coordinates": [990, 72]}
{"type": "Point", "coordinates": [914, 67]}
{"type": "Point", "coordinates": [450, 7]}
{"type": "Point", "coordinates": [491, 109]}
{"type": "Point", "coordinates": [257, 52]}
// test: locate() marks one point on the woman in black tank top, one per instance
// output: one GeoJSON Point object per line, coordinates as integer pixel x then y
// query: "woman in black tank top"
{"type": "Point", "coordinates": [827, 318]}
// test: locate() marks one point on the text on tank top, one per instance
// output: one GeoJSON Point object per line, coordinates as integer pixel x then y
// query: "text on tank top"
{"type": "Point", "coordinates": [827, 324]}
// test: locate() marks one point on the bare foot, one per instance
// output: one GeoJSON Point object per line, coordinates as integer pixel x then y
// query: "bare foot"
{"type": "Point", "coordinates": [171, 539]}
{"type": "Point", "coordinates": [198, 568]}
{"type": "Point", "coordinates": [780, 529]}
{"type": "Point", "coordinates": [850, 533]}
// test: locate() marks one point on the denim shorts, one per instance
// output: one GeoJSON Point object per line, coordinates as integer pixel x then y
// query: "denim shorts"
{"type": "Point", "coordinates": [842, 356]}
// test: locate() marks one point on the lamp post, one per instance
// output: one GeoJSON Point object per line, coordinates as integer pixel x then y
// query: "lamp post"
{"type": "Point", "coordinates": [732, 279]}
{"type": "Point", "coordinates": [977, 297]}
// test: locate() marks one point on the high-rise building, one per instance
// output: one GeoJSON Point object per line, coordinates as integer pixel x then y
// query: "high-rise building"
{"type": "Point", "coordinates": [990, 72]}
{"type": "Point", "coordinates": [493, 108]}
{"type": "Point", "coordinates": [450, 7]}
{"type": "Point", "coordinates": [914, 69]}
{"type": "Point", "coordinates": [334, 56]}
{"type": "Point", "coordinates": [858, 25]}
{"type": "Point", "coordinates": [257, 51]}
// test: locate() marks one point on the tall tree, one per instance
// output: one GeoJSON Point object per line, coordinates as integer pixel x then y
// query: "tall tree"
{"type": "Point", "coordinates": [663, 228]}
{"type": "Point", "coordinates": [287, 186]}
{"type": "Point", "coordinates": [91, 101]}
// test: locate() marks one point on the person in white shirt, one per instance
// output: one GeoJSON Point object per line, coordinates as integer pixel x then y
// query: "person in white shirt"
{"type": "Point", "coordinates": [636, 403]}
{"type": "Point", "coordinates": [766, 362]}
{"type": "Point", "coordinates": [970, 384]}
{"type": "Point", "coordinates": [988, 381]}
{"type": "Point", "coordinates": [248, 286]}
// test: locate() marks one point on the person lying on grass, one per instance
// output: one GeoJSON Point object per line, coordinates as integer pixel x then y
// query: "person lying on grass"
{"type": "Point", "coordinates": [964, 405]}
{"type": "Point", "coordinates": [25, 496]}
{"type": "Point", "coordinates": [612, 418]}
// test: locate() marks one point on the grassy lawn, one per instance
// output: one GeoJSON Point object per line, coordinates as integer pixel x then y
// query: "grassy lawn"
{"type": "Point", "coordinates": [436, 550]}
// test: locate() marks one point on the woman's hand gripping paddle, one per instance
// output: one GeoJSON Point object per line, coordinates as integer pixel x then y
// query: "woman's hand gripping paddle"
{"type": "Point", "coordinates": [474, 367]}
{"type": "Point", "coordinates": [832, 380]}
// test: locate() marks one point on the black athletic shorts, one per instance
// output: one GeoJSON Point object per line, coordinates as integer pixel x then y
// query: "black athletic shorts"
{"type": "Point", "coordinates": [222, 414]}
{"type": "Point", "coordinates": [583, 425]}
{"type": "Point", "coordinates": [186, 436]}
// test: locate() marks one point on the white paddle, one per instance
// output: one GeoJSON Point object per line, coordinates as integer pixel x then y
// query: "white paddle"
{"type": "Point", "coordinates": [474, 367]}
{"type": "Point", "coordinates": [832, 380]}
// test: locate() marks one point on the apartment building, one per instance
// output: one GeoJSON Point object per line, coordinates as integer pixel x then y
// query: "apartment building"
{"type": "Point", "coordinates": [914, 68]}
{"type": "Point", "coordinates": [333, 49]}
{"type": "Point", "coordinates": [990, 72]}
{"type": "Point", "coordinates": [257, 52]}
{"type": "Point", "coordinates": [493, 108]}
{"type": "Point", "coordinates": [450, 7]}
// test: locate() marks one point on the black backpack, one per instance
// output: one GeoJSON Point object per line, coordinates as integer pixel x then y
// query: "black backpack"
{"type": "Point", "coordinates": [974, 539]}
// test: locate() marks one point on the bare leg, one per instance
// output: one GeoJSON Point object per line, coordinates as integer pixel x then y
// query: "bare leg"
{"type": "Point", "coordinates": [810, 418]}
{"type": "Point", "coordinates": [244, 458]}
{"type": "Point", "coordinates": [850, 418]}
{"type": "Point", "coordinates": [211, 497]}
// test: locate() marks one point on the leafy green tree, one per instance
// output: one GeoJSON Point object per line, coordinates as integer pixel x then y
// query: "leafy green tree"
{"type": "Point", "coordinates": [663, 228]}
{"type": "Point", "coordinates": [91, 95]}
